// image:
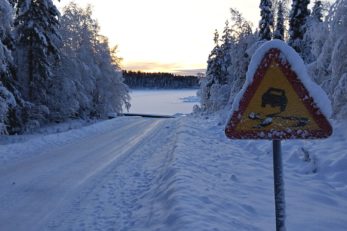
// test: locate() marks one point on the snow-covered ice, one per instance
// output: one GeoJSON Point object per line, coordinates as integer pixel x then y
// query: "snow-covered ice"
{"type": "Point", "coordinates": [167, 102]}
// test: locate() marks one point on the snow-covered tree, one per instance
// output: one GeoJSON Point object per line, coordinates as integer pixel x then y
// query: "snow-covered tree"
{"type": "Point", "coordinates": [37, 39]}
{"type": "Point", "coordinates": [225, 52]}
{"type": "Point", "coordinates": [212, 74]}
{"type": "Point", "coordinates": [10, 99]}
{"type": "Point", "coordinates": [297, 24]}
{"type": "Point", "coordinates": [112, 92]}
{"type": "Point", "coordinates": [214, 95]}
{"type": "Point", "coordinates": [280, 27]}
{"type": "Point", "coordinates": [89, 75]}
{"type": "Point", "coordinates": [313, 34]}
{"type": "Point", "coordinates": [317, 35]}
{"type": "Point", "coordinates": [266, 22]}
{"type": "Point", "coordinates": [329, 47]}
{"type": "Point", "coordinates": [116, 60]}
{"type": "Point", "coordinates": [74, 78]}
{"type": "Point", "coordinates": [317, 11]}
{"type": "Point", "coordinates": [337, 44]}
{"type": "Point", "coordinates": [242, 51]}
{"type": "Point", "coordinates": [7, 103]}
{"type": "Point", "coordinates": [6, 42]}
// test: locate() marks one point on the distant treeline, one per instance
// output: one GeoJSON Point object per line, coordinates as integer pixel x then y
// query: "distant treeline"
{"type": "Point", "coordinates": [138, 79]}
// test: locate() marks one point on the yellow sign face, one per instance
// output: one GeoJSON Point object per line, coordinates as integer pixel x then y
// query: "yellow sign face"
{"type": "Point", "coordinates": [276, 106]}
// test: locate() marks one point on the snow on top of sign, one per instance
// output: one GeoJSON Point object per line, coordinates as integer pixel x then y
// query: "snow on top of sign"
{"type": "Point", "coordinates": [297, 65]}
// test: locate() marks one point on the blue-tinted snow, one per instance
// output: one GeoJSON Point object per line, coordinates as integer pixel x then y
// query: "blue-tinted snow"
{"type": "Point", "coordinates": [188, 176]}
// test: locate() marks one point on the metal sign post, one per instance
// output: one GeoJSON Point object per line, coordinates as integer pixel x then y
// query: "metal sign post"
{"type": "Point", "coordinates": [276, 104]}
{"type": "Point", "coordinates": [278, 186]}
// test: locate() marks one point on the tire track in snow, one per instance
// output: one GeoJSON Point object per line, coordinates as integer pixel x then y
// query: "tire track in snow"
{"type": "Point", "coordinates": [136, 194]}
{"type": "Point", "coordinates": [34, 189]}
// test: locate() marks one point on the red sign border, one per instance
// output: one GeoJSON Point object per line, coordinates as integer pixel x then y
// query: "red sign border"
{"type": "Point", "coordinates": [274, 55]}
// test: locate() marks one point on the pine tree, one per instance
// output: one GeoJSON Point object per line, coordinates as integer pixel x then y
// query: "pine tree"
{"type": "Point", "coordinates": [213, 72]}
{"type": "Point", "coordinates": [227, 64]}
{"type": "Point", "coordinates": [225, 52]}
{"type": "Point", "coordinates": [6, 43]}
{"type": "Point", "coordinates": [6, 97]}
{"type": "Point", "coordinates": [279, 31]}
{"type": "Point", "coordinates": [214, 61]}
{"type": "Point", "coordinates": [11, 102]}
{"type": "Point", "coordinates": [317, 11]}
{"type": "Point", "coordinates": [297, 24]}
{"type": "Point", "coordinates": [314, 25]}
{"type": "Point", "coordinates": [36, 27]}
{"type": "Point", "coordinates": [267, 20]}
{"type": "Point", "coordinates": [243, 46]}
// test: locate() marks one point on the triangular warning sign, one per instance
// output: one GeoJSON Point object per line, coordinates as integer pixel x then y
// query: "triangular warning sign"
{"type": "Point", "coordinates": [277, 105]}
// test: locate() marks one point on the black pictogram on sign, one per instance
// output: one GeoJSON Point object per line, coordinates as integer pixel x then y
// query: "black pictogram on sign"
{"type": "Point", "coordinates": [275, 98]}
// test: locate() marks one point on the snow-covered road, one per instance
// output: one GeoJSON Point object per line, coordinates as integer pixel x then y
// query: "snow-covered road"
{"type": "Point", "coordinates": [32, 190]}
{"type": "Point", "coordinates": [178, 174]}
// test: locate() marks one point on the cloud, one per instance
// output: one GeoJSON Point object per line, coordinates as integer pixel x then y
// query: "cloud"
{"type": "Point", "coordinates": [152, 66]}
{"type": "Point", "coordinates": [176, 68]}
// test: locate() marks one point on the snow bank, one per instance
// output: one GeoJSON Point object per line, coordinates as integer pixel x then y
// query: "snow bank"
{"type": "Point", "coordinates": [227, 183]}
{"type": "Point", "coordinates": [18, 147]}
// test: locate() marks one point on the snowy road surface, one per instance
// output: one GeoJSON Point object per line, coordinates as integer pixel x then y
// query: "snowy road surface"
{"type": "Point", "coordinates": [33, 189]}
{"type": "Point", "coordinates": [167, 174]}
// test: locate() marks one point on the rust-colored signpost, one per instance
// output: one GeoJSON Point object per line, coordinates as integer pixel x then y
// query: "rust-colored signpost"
{"type": "Point", "coordinates": [275, 105]}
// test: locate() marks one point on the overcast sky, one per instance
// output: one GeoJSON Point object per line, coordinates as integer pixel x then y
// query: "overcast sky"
{"type": "Point", "coordinates": [165, 35]}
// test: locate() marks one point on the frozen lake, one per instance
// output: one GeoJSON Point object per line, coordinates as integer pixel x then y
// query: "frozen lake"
{"type": "Point", "coordinates": [163, 102]}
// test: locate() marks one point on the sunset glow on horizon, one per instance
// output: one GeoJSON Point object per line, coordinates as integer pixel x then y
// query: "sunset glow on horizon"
{"type": "Point", "coordinates": [165, 36]}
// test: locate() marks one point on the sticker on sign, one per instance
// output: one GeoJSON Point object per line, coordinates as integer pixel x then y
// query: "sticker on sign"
{"type": "Point", "coordinates": [279, 100]}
